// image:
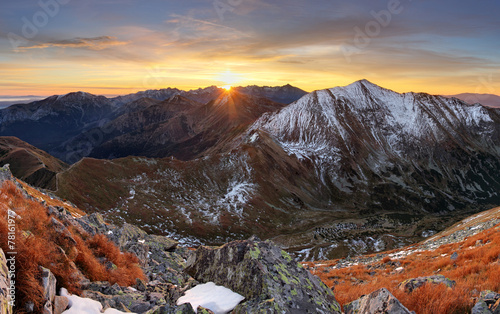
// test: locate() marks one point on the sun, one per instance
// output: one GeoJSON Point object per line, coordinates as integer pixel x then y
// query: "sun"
{"type": "Point", "coordinates": [228, 79]}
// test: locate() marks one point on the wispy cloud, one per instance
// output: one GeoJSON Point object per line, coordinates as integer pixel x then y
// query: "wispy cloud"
{"type": "Point", "coordinates": [94, 43]}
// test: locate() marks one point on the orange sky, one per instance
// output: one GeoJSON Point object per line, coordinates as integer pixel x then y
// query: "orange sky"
{"type": "Point", "coordinates": [117, 47]}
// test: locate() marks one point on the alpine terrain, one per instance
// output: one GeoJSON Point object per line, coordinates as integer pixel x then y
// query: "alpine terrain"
{"type": "Point", "coordinates": [340, 171]}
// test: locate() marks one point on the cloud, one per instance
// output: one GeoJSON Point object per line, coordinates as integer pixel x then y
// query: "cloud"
{"type": "Point", "coordinates": [94, 43]}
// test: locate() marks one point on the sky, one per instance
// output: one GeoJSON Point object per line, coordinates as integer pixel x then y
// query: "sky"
{"type": "Point", "coordinates": [115, 47]}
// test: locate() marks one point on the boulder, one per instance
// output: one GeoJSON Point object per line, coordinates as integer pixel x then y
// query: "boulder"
{"type": "Point", "coordinates": [269, 279]}
{"type": "Point", "coordinates": [380, 301]}
{"type": "Point", "coordinates": [411, 284]}
{"type": "Point", "coordinates": [5, 307]}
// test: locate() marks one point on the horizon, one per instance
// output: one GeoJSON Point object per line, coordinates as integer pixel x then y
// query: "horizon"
{"type": "Point", "coordinates": [32, 96]}
{"type": "Point", "coordinates": [119, 47]}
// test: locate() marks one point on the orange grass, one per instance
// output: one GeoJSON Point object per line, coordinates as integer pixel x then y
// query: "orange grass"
{"type": "Point", "coordinates": [37, 244]}
{"type": "Point", "coordinates": [477, 268]}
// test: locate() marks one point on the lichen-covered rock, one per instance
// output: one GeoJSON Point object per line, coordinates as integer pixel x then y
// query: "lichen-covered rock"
{"type": "Point", "coordinates": [411, 284]}
{"type": "Point", "coordinates": [202, 310]}
{"type": "Point", "coordinates": [5, 307]}
{"type": "Point", "coordinates": [269, 279]}
{"type": "Point", "coordinates": [488, 303]}
{"type": "Point", "coordinates": [481, 308]}
{"type": "Point", "coordinates": [380, 301]}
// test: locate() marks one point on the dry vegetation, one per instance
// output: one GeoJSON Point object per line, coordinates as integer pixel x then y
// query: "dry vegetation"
{"type": "Point", "coordinates": [37, 243]}
{"type": "Point", "coordinates": [477, 268]}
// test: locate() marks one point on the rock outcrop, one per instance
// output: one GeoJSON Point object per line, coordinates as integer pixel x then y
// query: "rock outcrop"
{"type": "Point", "coordinates": [269, 279]}
{"type": "Point", "coordinates": [380, 301]}
{"type": "Point", "coordinates": [411, 284]}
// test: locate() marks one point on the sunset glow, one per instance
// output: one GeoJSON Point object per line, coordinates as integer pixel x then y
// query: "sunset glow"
{"type": "Point", "coordinates": [119, 47]}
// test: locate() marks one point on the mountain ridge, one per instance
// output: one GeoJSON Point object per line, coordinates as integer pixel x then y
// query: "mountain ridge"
{"type": "Point", "coordinates": [322, 170]}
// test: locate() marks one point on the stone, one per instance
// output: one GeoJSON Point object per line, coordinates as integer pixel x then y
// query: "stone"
{"type": "Point", "coordinates": [140, 306]}
{"type": "Point", "coordinates": [489, 296]}
{"type": "Point", "coordinates": [454, 256]}
{"type": "Point", "coordinates": [49, 288]}
{"type": "Point", "coordinates": [202, 310]}
{"type": "Point", "coordinates": [414, 283]}
{"type": "Point", "coordinates": [5, 174]}
{"type": "Point", "coordinates": [47, 308]}
{"type": "Point", "coordinates": [62, 231]}
{"type": "Point", "coordinates": [5, 307]}
{"type": "Point", "coordinates": [140, 285]}
{"type": "Point", "coordinates": [488, 303]}
{"type": "Point", "coordinates": [380, 301]}
{"type": "Point", "coordinates": [185, 308]}
{"type": "Point", "coordinates": [265, 275]}
{"type": "Point", "coordinates": [60, 304]}
{"type": "Point", "coordinates": [481, 308]}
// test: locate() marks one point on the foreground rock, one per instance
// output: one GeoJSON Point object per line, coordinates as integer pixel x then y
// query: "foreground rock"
{"type": "Point", "coordinates": [488, 303]}
{"type": "Point", "coordinates": [269, 279]}
{"type": "Point", "coordinates": [380, 301]}
{"type": "Point", "coordinates": [414, 283]}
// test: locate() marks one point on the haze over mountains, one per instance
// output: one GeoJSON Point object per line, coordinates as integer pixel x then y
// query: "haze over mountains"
{"type": "Point", "coordinates": [335, 172]}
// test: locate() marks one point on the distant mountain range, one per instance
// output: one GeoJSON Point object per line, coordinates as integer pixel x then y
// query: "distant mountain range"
{"type": "Point", "coordinates": [70, 126]}
{"type": "Point", "coordinates": [339, 168]}
{"type": "Point", "coordinates": [489, 100]}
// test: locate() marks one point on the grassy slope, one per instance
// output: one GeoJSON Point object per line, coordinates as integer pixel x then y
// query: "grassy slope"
{"type": "Point", "coordinates": [476, 268]}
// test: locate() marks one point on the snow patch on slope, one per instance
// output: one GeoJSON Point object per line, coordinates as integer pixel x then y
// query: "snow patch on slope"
{"type": "Point", "coordinates": [219, 299]}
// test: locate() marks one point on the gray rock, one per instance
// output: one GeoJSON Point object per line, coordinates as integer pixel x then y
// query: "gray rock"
{"type": "Point", "coordinates": [269, 279]}
{"type": "Point", "coordinates": [49, 289]}
{"type": "Point", "coordinates": [5, 174]}
{"type": "Point", "coordinates": [454, 256]}
{"type": "Point", "coordinates": [140, 306]}
{"type": "Point", "coordinates": [481, 308]}
{"type": "Point", "coordinates": [411, 284]}
{"type": "Point", "coordinates": [488, 303]}
{"type": "Point", "coordinates": [62, 231]}
{"type": "Point", "coordinates": [380, 301]}
{"type": "Point", "coordinates": [5, 307]}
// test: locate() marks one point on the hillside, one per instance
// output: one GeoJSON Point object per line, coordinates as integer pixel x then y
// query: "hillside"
{"type": "Point", "coordinates": [467, 254]}
{"type": "Point", "coordinates": [68, 262]}
{"type": "Point", "coordinates": [29, 163]}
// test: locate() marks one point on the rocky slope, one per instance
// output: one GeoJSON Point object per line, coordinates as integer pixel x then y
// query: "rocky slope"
{"type": "Point", "coordinates": [285, 286]}
{"type": "Point", "coordinates": [452, 271]}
